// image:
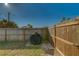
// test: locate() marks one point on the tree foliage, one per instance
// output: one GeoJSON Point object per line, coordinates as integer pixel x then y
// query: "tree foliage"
{"type": "Point", "coordinates": [64, 20]}
{"type": "Point", "coordinates": [29, 26]}
{"type": "Point", "coordinates": [46, 35]}
{"type": "Point", "coordinates": [36, 39]}
{"type": "Point", "coordinates": [7, 24]}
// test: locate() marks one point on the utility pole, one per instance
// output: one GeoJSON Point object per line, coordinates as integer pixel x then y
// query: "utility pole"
{"type": "Point", "coordinates": [8, 19]}
{"type": "Point", "coordinates": [8, 16]}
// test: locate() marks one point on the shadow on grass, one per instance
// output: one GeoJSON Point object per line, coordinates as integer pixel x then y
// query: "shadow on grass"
{"type": "Point", "coordinates": [21, 47]}
{"type": "Point", "coordinates": [16, 45]}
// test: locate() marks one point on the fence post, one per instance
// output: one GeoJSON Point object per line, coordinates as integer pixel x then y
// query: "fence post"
{"type": "Point", "coordinates": [55, 35]}
{"type": "Point", "coordinates": [24, 34]}
{"type": "Point", "coordinates": [5, 34]}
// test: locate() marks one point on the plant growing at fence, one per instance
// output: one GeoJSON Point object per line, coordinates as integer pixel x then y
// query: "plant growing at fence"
{"type": "Point", "coordinates": [66, 20]}
{"type": "Point", "coordinates": [46, 35]}
{"type": "Point", "coordinates": [36, 38]}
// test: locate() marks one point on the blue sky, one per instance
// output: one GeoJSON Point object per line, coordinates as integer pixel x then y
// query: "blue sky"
{"type": "Point", "coordinates": [39, 15]}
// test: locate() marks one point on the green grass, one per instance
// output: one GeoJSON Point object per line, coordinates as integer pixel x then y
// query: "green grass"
{"type": "Point", "coordinates": [22, 52]}
{"type": "Point", "coordinates": [19, 48]}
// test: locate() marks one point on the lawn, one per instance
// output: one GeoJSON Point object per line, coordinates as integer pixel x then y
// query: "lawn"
{"type": "Point", "coordinates": [18, 48]}
{"type": "Point", "coordinates": [22, 52]}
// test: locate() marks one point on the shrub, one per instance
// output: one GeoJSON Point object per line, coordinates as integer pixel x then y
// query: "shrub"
{"type": "Point", "coordinates": [46, 36]}
{"type": "Point", "coordinates": [36, 39]}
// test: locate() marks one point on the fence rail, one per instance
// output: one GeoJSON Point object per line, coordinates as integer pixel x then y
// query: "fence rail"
{"type": "Point", "coordinates": [66, 38]}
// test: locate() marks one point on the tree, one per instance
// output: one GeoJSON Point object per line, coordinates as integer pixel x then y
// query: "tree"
{"type": "Point", "coordinates": [77, 18]}
{"type": "Point", "coordinates": [29, 26]}
{"type": "Point", "coordinates": [64, 20]}
{"type": "Point", "coordinates": [7, 24]}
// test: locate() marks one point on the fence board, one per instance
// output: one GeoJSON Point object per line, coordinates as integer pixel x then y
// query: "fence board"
{"type": "Point", "coordinates": [67, 38]}
{"type": "Point", "coordinates": [18, 33]}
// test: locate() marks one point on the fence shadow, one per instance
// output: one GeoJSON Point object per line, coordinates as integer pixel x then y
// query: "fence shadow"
{"type": "Point", "coordinates": [49, 47]}
{"type": "Point", "coordinates": [51, 51]}
{"type": "Point", "coordinates": [4, 45]}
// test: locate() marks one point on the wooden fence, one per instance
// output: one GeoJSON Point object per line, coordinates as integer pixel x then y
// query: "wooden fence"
{"type": "Point", "coordinates": [19, 34]}
{"type": "Point", "coordinates": [66, 38]}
